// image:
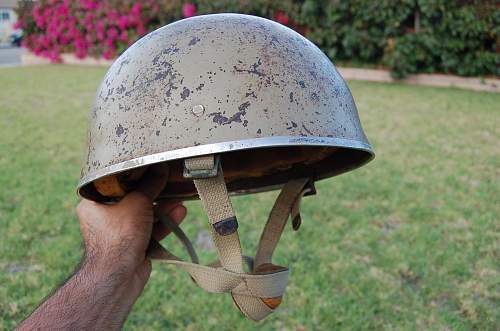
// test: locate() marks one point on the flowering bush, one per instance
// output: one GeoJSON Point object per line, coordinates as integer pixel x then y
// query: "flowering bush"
{"type": "Point", "coordinates": [407, 36]}
{"type": "Point", "coordinates": [86, 27]}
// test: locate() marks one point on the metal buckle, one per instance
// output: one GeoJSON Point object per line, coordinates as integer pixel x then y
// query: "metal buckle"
{"type": "Point", "coordinates": [226, 226]}
{"type": "Point", "coordinates": [203, 173]}
{"type": "Point", "coordinates": [309, 188]}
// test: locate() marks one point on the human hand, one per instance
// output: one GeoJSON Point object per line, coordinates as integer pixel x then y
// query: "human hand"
{"type": "Point", "coordinates": [100, 294]}
{"type": "Point", "coordinates": [116, 237]}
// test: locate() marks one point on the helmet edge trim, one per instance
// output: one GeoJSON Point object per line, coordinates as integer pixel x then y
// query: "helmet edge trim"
{"type": "Point", "coordinates": [223, 147]}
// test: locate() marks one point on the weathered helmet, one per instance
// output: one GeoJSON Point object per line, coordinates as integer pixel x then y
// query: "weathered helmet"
{"type": "Point", "coordinates": [225, 92]}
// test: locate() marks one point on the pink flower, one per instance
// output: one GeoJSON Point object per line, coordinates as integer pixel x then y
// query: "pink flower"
{"type": "Point", "coordinates": [81, 53]}
{"type": "Point", "coordinates": [53, 55]}
{"type": "Point", "coordinates": [108, 54]}
{"type": "Point", "coordinates": [188, 10]}
{"type": "Point", "coordinates": [123, 36]}
{"type": "Point", "coordinates": [39, 17]}
{"type": "Point", "coordinates": [112, 33]}
{"type": "Point", "coordinates": [62, 10]}
{"type": "Point", "coordinates": [80, 43]}
{"type": "Point", "coordinates": [100, 26]}
{"type": "Point", "coordinates": [89, 4]}
{"type": "Point", "coordinates": [281, 17]}
{"type": "Point", "coordinates": [123, 22]}
{"type": "Point", "coordinates": [73, 32]}
{"type": "Point", "coordinates": [18, 25]}
{"type": "Point", "coordinates": [140, 28]}
{"type": "Point", "coordinates": [110, 42]}
{"type": "Point", "coordinates": [89, 17]}
{"type": "Point", "coordinates": [112, 15]}
{"type": "Point", "coordinates": [89, 26]}
{"type": "Point", "coordinates": [136, 8]}
{"type": "Point", "coordinates": [100, 35]}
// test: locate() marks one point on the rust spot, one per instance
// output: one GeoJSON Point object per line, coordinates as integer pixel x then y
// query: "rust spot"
{"type": "Point", "coordinates": [309, 132]}
{"type": "Point", "coordinates": [120, 89]}
{"type": "Point", "coordinates": [254, 69]}
{"type": "Point", "coordinates": [251, 94]}
{"type": "Point", "coordinates": [161, 75]}
{"type": "Point", "coordinates": [219, 118]}
{"type": "Point", "coordinates": [194, 41]}
{"type": "Point", "coordinates": [244, 106]}
{"type": "Point", "coordinates": [166, 51]}
{"type": "Point", "coordinates": [223, 120]}
{"type": "Point", "coordinates": [314, 97]}
{"type": "Point", "coordinates": [185, 93]}
{"type": "Point", "coordinates": [122, 63]}
{"type": "Point", "coordinates": [293, 125]}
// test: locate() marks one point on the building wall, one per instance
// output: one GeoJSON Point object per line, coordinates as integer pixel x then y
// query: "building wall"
{"type": "Point", "coordinates": [7, 19]}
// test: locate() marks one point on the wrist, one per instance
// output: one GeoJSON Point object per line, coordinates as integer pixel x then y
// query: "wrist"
{"type": "Point", "coordinates": [102, 272]}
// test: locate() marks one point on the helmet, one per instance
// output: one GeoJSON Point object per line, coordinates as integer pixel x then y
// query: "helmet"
{"type": "Point", "coordinates": [228, 92]}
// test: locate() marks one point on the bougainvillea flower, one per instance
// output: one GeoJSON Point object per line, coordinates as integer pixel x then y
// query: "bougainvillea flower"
{"type": "Point", "coordinates": [188, 10]}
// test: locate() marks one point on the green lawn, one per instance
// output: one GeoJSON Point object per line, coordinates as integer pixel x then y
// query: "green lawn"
{"type": "Point", "coordinates": [409, 242]}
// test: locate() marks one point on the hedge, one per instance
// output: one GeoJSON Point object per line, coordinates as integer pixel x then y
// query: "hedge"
{"type": "Point", "coordinates": [407, 36]}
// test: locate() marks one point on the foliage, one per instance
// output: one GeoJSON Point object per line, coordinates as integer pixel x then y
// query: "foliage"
{"type": "Point", "coordinates": [454, 38]}
{"type": "Point", "coordinates": [90, 27]}
{"type": "Point", "coordinates": [408, 242]}
{"type": "Point", "coordinates": [407, 36]}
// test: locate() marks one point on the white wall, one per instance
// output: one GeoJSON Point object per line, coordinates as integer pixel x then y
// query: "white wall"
{"type": "Point", "coordinates": [7, 19]}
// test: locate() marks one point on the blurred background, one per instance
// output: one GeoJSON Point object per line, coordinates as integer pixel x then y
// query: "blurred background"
{"type": "Point", "coordinates": [404, 36]}
{"type": "Point", "coordinates": [409, 242]}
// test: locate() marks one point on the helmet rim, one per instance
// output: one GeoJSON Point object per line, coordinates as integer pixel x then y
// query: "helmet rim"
{"type": "Point", "coordinates": [236, 145]}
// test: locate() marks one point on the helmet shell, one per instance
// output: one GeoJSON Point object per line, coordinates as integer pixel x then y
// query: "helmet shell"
{"type": "Point", "coordinates": [223, 83]}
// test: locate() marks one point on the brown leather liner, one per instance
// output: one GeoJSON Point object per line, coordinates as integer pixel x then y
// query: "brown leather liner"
{"type": "Point", "coordinates": [243, 171]}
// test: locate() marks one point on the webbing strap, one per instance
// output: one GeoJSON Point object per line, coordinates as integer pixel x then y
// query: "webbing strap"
{"type": "Point", "coordinates": [248, 290]}
{"type": "Point", "coordinates": [219, 280]}
{"type": "Point", "coordinates": [278, 217]}
{"type": "Point", "coordinates": [215, 199]}
{"type": "Point", "coordinates": [165, 219]}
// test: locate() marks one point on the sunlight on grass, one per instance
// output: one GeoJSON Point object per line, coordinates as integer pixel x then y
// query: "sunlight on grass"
{"type": "Point", "coordinates": [411, 241]}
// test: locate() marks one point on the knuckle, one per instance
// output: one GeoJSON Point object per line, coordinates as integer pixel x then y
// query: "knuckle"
{"type": "Point", "coordinates": [80, 208]}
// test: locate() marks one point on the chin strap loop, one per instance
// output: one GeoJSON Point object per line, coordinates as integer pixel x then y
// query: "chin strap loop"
{"type": "Point", "coordinates": [258, 293]}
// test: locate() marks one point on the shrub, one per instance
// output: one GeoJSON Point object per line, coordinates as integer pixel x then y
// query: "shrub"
{"type": "Point", "coordinates": [90, 27]}
{"type": "Point", "coordinates": [407, 36]}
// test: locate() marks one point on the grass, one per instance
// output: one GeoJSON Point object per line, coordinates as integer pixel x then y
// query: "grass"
{"type": "Point", "coordinates": [409, 242]}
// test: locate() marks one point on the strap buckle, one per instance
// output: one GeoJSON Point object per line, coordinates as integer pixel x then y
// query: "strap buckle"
{"type": "Point", "coordinates": [226, 226]}
{"type": "Point", "coordinates": [203, 173]}
{"type": "Point", "coordinates": [309, 188]}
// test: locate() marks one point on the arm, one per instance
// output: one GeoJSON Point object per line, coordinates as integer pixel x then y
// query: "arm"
{"type": "Point", "coordinates": [115, 269]}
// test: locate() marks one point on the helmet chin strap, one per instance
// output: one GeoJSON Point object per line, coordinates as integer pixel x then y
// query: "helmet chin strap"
{"type": "Point", "coordinates": [258, 293]}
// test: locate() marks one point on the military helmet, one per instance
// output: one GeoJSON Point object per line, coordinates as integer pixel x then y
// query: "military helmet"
{"type": "Point", "coordinates": [233, 93]}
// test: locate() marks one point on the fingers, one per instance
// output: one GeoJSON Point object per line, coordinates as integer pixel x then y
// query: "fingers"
{"type": "Point", "coordinates": [177, 213]}
{"type": "Point", "coordinates": [154, 181]}
{"type": "Point", "coordinates": [166, 206]}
